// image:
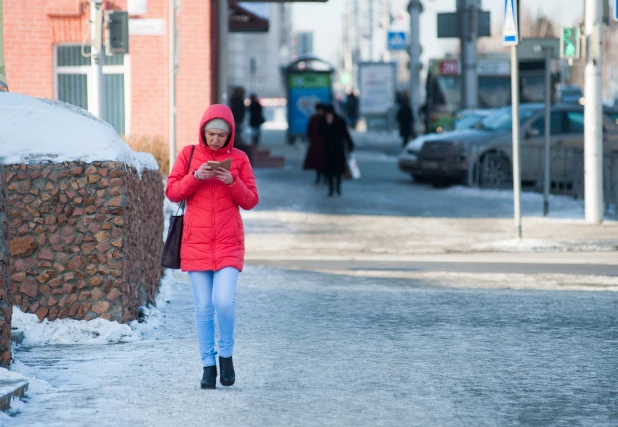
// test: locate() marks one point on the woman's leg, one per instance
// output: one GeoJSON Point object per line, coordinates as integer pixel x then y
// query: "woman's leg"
{"type": "Point", "coordinates": [330, 184]}
{"type": "Point", "coordinates": [339, 184]}
{"type": "Point", "coordinates": [202, 283]}
{"type": "Point", "coordinates": [225, 304]}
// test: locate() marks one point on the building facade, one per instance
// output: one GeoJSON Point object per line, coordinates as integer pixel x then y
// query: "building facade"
{"type": "Point", "coordinates": [47, 56]}
{"type": "Point", "coordinates": [256, 59]}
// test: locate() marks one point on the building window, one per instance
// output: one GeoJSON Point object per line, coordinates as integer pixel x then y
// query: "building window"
{"type": "Point", "coordinates": [72, 79]}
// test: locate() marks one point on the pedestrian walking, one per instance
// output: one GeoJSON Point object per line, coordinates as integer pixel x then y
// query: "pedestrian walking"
{"type": "Point", "coordinates": [352, 109]}
{"type": "Point", "coordinates": [337, 142]}
{"type": "Point", "coordinates": [406, 120]}
{"type": "Point", "coordinates": [256, 119]}
{"type": "Point", "coordinates": [314, 159]}
{"type": "Point", "coordinates": [237, 104]}
{"type": "Point", "coordinates": [213, 250]}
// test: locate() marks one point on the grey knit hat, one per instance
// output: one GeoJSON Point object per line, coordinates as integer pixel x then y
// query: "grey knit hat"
{"type": "Point", "coordinates": [217, 124]}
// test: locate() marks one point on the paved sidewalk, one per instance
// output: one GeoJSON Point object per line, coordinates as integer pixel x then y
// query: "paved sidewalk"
{"type": "Point", "coordinates": [318, 349]}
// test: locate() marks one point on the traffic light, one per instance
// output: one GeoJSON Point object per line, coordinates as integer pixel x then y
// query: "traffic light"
{"type": "Point", "coordinates": [570, 46]}
{"type": "Point", "coordinates": [345, 78]}
{"type": "Point", "coordinates": [117, 37]}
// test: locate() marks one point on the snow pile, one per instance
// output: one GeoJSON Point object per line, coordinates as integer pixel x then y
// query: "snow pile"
{"type": "Point", "coordinates": [34, 130]}
{"type": "Point", "coordinates": [70, 331]}
{"type": "Point", "coordinates": [5, 374]}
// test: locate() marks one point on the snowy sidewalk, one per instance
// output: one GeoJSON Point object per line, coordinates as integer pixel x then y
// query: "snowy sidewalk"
{"type": "Point", "coordinates": [315, 349]}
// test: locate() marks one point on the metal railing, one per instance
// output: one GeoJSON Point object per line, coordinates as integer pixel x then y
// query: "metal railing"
{"type": "Point", "coordinates": [567, 173]}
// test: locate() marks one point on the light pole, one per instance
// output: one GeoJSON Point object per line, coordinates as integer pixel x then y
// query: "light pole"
{"type": "Point", "coordinates": [593, 113]}
{"type": "Point", "coordinates": [415, 8]}
{"type": "Point", "coordinates": [96, 57]}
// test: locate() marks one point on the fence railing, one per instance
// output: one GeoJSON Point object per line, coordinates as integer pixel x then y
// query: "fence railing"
{"type": "Point", "coordinates": [566, 171]}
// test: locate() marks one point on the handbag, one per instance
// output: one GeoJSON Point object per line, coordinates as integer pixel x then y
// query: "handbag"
{"type": "Point", "coordinates": [353, 167]}
{"type": "Point", "coordinates": [171, 248]}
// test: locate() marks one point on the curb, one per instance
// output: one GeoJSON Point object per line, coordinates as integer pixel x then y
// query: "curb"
{"type": "Point", "coordinates": [10, 389]}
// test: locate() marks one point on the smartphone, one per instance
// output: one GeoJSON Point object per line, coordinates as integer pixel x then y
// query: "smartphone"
{"type": "Point", "coordinates": [224, 164]}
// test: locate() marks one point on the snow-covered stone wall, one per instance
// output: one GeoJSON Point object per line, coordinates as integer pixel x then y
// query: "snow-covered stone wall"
{"type": "Point", "coordinates": [6, 305]}
{"type": "Point", "coordinates": [84, 238]}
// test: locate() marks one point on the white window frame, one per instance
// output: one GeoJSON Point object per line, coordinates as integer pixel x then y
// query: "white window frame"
{"type": "Point", "coordinates": [87, 69]}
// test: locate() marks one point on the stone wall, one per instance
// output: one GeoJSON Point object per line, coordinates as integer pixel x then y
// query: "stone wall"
{"type": "Point", "coordinates": [6, 305]}
{"type": "Point", "coordinates": [85, 239]}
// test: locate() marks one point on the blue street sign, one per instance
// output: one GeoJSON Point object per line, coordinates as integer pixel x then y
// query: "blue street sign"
{"type": "Point", "coordinates": [510, 29]}
{"type": "Point", "coordinates": [396, 40]}
{"type": "Point", "coordinates": [615, 10]}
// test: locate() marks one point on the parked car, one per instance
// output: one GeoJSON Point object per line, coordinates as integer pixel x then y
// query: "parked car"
{"type": "Point", "coordinates": [467, 119]}
{"type": "Point", "coordinates": [464, 121]}
{"type": "Point", "coordinates": [488, 147]}
{"type": "Point", "coordinates": [570, 94]}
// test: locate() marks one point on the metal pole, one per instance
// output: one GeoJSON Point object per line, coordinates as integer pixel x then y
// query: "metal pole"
{"type": "Point", "coordinates": [98, 83]}
{"type": "Point", "coordinates": [223, 33]}
{"type": "Point", "coordinates": [172, 81]}
{"type": "Point", "coordinates": [516, 138]}
{"type": "Point", "coordinates": [468, 18]}
{"type": "Point", "coordinates": [547, 181]}
{"type": "Point", "coordinates": [416, 8]}
{"type": "Point", "coordinates": [370, 30]}
{"type": "Point", "coordinates": [593, 131]}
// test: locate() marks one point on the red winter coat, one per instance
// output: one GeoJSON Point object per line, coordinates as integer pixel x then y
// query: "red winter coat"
{"type": "Point", "coordinates": [213, 236]}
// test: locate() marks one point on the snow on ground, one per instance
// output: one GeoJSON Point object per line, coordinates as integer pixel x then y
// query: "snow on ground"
{"type": "Point", "coordinates": [539, 245]}
{"type": "Point", "coordinates": [35, 130]}
{"type": "Point", "coordinates": [70, 331]}
{"type": "Point", "coordinates": [559, 206]}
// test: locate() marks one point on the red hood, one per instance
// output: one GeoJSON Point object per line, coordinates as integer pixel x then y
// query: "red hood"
{"type": "Point", "coordinates": [218, 111]}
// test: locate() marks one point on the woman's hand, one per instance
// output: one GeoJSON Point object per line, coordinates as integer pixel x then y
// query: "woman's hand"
{"type": "Point", "coordinates": [205, 172]}
{"type": "Point", "coordinates": [224, 176]}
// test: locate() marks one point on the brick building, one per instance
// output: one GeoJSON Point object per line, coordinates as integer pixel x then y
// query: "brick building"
{"type": "Point", "coordinates": [45, 58]}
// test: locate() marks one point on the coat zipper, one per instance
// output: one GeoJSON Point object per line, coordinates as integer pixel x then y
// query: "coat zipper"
{"type": "Point", "coordinates": [214, 230]}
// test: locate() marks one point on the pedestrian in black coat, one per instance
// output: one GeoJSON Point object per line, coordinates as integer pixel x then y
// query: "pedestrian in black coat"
{"type": "Point", "coordinates": [406, 120]}
{"type": "Point", "coordinates": [337, 142]}
{"type": "Point", "coordinates": [256, 119]}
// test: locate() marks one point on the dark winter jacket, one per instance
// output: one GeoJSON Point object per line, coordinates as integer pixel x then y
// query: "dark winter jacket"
{"type": "Point", "coordinates": [337, 141]}
{"type": "Point", "coordinates": [256, 117]}
{"type": "Point", "coordinates": [405, 119]}
{"type": "Point", "coordinates": [315, 153]}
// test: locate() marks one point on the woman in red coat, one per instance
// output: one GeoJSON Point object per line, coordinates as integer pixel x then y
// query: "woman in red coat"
{"type": "Point", "coordinates": [315, 153]}
{"type": "Point", "coordinates": [213, 249]}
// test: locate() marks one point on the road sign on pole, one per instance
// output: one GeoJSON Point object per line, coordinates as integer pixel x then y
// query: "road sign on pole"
{"type": "Point", "coordinates": [396, 40]}
{"type": "Point", "coordinates": [511, 26]}
{"type": "Point", "coordinates": [615, 10]}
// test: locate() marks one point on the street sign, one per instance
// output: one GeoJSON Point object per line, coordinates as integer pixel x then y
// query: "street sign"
{"type": "Point", "coordinates": [449, 23]}
{"type": "Point", "coordinates": [570, 46]}
{"type": "Point", "coordinates": [615, 10]}
{"type": "Point", "coordinates": [511, 26]}
{"type": "Point", "coordinates": [397, 40]}
{"type": "Point", "coordinates": [534, 48]}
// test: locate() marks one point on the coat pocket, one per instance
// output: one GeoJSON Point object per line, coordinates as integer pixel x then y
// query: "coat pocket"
{"type": "Point", "coordinates": [240, 232]}
{"type": "Point", "coordinates": [186, 232]}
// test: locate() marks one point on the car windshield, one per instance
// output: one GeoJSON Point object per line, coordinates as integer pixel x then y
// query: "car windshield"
{"type": "Point", "coordinates": [572, 92]}
{"type": "Point", "coordinates": [503, 119]}
{"type": "Point", "coordinates": [468, 122]}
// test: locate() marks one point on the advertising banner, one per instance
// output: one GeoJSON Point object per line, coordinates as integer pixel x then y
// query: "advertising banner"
{"type": "Point", "coordinates": [304, 91]}
{"type": "Point", "coordinates": [377, 88]}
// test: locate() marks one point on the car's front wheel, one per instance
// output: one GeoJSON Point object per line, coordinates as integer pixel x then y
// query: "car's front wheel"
{"type": "Point", "coordinates": [419, 178]}
{"type": "Point", "coordinates": [494, 170]}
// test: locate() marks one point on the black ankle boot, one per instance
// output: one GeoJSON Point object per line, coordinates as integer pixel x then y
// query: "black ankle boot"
{"type": "Point", "coordinates": [209, 379]}
{"type": "Point", "coordinates": [228, 376]}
